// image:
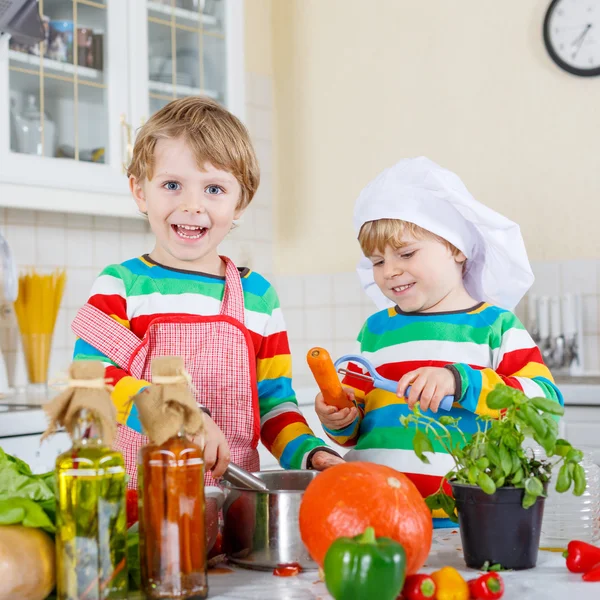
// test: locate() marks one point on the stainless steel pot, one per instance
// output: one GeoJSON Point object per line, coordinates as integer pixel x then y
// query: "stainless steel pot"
{"type": "Point", "coordinates": [261, 528]}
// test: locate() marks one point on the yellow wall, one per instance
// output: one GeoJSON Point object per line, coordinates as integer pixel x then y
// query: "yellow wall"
{"type": "Point", "coordinates": [259, 36]}
{"type": "Point", "coordinates": [468, 83]}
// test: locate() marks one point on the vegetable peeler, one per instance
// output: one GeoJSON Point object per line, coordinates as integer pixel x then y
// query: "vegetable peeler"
{"type": "Point", "coordinates": [378, 381]}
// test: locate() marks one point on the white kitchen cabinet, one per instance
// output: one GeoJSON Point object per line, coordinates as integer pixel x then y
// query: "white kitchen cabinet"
{"type": "Point", "coordinates": [70, 106]}
{"type": "Point", "coordinates": [40, 457]}
{"type": "Point", "coordinates": [582, 426]}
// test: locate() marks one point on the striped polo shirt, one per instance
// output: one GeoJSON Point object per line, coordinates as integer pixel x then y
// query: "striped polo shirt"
{"type": "Point", "coordinates": [138, 290]}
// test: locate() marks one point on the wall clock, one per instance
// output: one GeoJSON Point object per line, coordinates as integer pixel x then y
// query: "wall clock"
{"type": "Point", "coordinates": [572, 35]}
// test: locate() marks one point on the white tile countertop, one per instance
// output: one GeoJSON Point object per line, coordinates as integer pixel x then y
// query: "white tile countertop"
{"type": "Point", "coordinates": [550, 580]}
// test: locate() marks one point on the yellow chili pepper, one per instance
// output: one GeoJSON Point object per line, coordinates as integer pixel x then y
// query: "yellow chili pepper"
{"type": "Point", "coordinates": [450, 585]}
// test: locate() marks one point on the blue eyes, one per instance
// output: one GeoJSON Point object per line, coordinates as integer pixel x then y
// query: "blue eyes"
{"type": "Point", "coordinates": [214, 190]}
{"type": "Point", "coordinates": [211, 190]}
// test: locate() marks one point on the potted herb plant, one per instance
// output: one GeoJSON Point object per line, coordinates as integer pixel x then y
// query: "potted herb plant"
{"type": "Point", "coordinates": [498, 484]}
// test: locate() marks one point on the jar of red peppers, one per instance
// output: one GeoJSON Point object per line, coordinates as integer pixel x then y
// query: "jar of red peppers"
{"type": "Point", "coordinates": [171, 487]}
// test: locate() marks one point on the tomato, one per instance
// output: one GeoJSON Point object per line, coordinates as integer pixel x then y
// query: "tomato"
{"type": "Point", "coordinates": [287, 570]}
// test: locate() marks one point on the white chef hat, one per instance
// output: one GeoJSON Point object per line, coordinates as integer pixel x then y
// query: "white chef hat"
{"type": "Point", "coordinates": [419, 191]}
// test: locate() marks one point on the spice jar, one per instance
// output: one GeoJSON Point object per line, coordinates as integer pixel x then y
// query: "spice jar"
{"type": "Point", "coordinates": [171, 487]}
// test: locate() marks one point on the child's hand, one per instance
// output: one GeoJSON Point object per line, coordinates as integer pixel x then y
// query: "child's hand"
{"type": "Point", "coordinates": [332, 417]}
{"type": "Point", "coordinates": [429, 385]}
{"type": "Point", "coordinates": [216, 448]}
{"type": "Point", "coordinates": [323, 460]}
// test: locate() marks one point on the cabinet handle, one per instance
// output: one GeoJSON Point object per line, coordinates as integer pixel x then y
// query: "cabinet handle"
{"type": "Point", "coordinates": [126, 143]}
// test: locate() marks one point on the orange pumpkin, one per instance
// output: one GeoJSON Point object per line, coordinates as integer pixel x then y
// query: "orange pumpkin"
{"type": "Point", "coordinates": [346, 499]}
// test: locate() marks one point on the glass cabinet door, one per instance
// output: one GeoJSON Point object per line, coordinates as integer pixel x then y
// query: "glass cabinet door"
{"type": "Point", "coordinates": [186, 50]}
{"type": "Point", "coordinates": [58, 88]}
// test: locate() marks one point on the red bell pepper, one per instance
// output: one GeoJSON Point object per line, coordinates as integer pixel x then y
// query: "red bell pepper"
{"type": "Point", "coordinates": [581, 556]}
{"type": "Point", "coordinates": [593, 574]}
{"type": "Point", "coordinates": [418, 587]}
{"type": "Point", "coordinates": [131, 503]}
{"type": "Point", "coordinates": [487, 587]}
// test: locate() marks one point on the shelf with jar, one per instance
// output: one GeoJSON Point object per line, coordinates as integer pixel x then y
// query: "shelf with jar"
{"type": "Point", "coordinates": [70, 106]}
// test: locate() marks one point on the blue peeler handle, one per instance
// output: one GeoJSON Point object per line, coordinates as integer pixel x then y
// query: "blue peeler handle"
{"type": "Point", "coordinates": [382, 383]}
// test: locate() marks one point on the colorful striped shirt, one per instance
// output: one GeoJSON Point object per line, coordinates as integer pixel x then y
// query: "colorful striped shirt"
{"type": "Point", "coordinates": [139, 290]}
{"type": "Point", "coordinates": [483, 346]}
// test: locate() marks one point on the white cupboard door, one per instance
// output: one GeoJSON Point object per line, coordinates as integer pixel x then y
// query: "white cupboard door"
{"type": "Point", "coordinates": [62, 100]}
{"type": "Point", "coordinates": [193, 48]}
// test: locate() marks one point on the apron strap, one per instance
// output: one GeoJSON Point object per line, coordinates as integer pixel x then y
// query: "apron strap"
{"type": "Point", "coordinates": [106, 335]}
{"type": "Point", "coordinates": [233, 297]}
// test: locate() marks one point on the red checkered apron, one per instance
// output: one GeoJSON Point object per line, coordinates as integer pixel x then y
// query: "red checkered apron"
{"type": "Point", "coordinates": [218, 355]}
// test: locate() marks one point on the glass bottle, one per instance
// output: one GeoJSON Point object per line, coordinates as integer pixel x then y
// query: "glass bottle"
{"type": "Point", "coordinates": [171, 520]}
{"type": "Point", "coordinates": [568, 517]}
{"type": "Point", "coordinates": [29, 130]}
{"type": "Point", "coordinates": [91, 536]}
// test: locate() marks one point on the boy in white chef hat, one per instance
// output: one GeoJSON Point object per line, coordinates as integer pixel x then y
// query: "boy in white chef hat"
{"type": "Point", "coordinates": [445, 272]}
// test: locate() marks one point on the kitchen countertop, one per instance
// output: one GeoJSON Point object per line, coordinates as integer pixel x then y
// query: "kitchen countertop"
{"type": "Point", "coordinates": [550, 580]}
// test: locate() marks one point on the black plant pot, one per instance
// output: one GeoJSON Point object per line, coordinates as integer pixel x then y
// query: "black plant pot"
{"type": "Point", "coordinates": [496, 528]}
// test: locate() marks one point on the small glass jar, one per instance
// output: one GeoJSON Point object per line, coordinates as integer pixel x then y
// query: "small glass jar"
{"type": "Point", "coordinates": [171, 517]}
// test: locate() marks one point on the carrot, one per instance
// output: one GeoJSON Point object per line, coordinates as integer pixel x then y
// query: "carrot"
{"type": "Point", "coordinates": [327, 379]}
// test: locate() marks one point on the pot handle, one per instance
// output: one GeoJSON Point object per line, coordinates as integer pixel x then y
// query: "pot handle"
{"type": "Point", "coordinates": [242, 478]}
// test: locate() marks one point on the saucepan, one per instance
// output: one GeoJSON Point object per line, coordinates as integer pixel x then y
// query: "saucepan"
{"type": "Point", "coordinates": [261, 529]}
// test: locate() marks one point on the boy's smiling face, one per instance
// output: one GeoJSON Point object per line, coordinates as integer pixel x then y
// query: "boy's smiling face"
{"type": "Point", "coordinates": [190, 210]}
{"type": "Point", "coordinates": [421, 276]}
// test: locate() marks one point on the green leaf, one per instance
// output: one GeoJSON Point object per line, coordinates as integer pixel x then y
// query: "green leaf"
{"type": "Point", "coordinates": [486, 483]}
{"type": "Point", "coordinates": [579, 479]}
{"type": "Point", "coordinates": [562, 447]}
{"type": "Point", "coordinates": [548, 444]}
{"type": "Point", "coordinates": [449, 507]}
{"type": "Point", "coordinates": [446, 420]}
{"type": "Point", "coordinates": [564, 480]}
{"type": "Point", "coordinates": [551, 423]}
{"type": "Point", "coordinates": [516, 463]}
{"type": "Point", "coordinates": [548, 406]}
{"type": "Point", "coordinates": [510, 441]}
{"type": "Point", "coordinates": [23, 511]}
{"type": "Point", "coordinates": [434, 501]}
{"type": "Point", "coordinates": [422, 444]}
{"type": "Point", "coordinates": [17, 481]}
{"type": "Point", "coordinates": [483, 463]}
{"type": "Point", "coordinates": [505, 460]}
{"type": "Point", "coordinates": [534, 487]}
{"type": "Point", "coordinates": [502, 396]}
{"type": "Point", "coordinates": [529, 500]}
{"type": "Point", "coordinates": [517, 477]}
{"type": "Point", "coordinates": [491, 451]}
{"type": "Point", "coordinates": [133, 560]}
{"type": "Point", "coordinates": [473, 474]}
{"type": "Point", "coordinates": [534, 420]}
{"type": "Point", "coordinates": [574, 456]}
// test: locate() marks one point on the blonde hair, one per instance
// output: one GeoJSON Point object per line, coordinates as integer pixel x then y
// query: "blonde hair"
{"type": "Point", "coordinates": [213, 134]}
{"type": "Point", "coordinates": [374, 236]}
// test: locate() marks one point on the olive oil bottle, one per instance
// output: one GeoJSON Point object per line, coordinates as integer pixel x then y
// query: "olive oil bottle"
{"type": "Point", "coordinates": [91, 536]}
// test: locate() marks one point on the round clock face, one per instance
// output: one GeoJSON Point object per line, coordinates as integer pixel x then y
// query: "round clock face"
{"type": "Point", "coordinates": [572, 35]}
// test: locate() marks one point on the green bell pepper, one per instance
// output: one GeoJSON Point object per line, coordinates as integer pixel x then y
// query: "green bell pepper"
{"type": "Point", "coordinates": [365, 568]}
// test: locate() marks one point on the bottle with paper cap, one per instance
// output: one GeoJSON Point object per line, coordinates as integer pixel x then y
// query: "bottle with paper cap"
{"type": "Point", "coordinates": [91, 532]}
{"type": "Point", "coordinates": [171, 487]}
